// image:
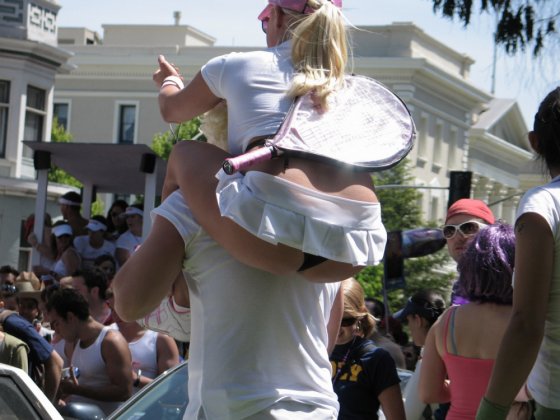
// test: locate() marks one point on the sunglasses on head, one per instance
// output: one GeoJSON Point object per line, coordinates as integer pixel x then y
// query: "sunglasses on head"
{"type": "Point", "coordinates": [466, 228]}
{"type": "Point", "coordinates": [348, 322]}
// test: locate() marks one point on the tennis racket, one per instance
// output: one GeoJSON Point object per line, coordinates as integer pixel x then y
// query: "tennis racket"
{"type": "Point", "coordinates": [366, 127]}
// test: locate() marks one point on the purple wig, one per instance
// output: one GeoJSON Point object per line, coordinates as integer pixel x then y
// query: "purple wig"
{"type": "Point", "coordinates": [486, 267]}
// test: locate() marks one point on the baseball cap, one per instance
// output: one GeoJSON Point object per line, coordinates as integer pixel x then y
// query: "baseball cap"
{"type": "Point", "coordinates": [61, 230]}
{"type": "Point", "coordinates": [414, 308]}
{"type": "Point", "coordinates": [133, 210]}
{"type": "Point", "coordinates": [71, 198]}
{"type": "Point", "coordinates": [295, 5]}
{"type": "Point", "coordinates": [95, 225]}
{"type": "Point", "coordinates": [471, 207]}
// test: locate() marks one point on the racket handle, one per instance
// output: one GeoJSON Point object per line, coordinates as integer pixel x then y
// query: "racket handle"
{"type": "Point", "coordinates": [238, 163]}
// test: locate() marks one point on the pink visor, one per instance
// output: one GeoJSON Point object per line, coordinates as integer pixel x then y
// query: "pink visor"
{"type": "Point", "coordinates": [299, 6]}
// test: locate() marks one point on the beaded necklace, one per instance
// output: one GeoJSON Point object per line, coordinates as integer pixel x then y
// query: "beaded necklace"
{"type": "Point", "coordinates": [343, 361]}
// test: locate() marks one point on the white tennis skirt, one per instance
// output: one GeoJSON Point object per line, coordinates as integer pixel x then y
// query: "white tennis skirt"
{"type": "Point", "coordinates": [280, 211]}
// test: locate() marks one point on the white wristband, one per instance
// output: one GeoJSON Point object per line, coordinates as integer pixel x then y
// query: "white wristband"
{"type": "Point", "coordinates": [173, 81]}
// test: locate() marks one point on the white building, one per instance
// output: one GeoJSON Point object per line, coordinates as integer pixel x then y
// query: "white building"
{"type": "Point", "coordinates": [29, 62]}
{"type": "Point", "coordinates": [110, 97]}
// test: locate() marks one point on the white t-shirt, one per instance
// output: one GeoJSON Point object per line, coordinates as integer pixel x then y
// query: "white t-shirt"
{"type": "Point", "coordinates": [89, 253]}
{"type": "Point", "coordinates": [129, 241]}
{"type": "Point", "coordinates": [544, 379]}
{"type": "Point", "coordinates": [254, 84]}
{"type": "Point", "coordinates": [256, 339]}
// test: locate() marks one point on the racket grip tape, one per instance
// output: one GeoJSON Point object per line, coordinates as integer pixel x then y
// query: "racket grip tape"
{"type": "Point", "coordinates": [241, 162]}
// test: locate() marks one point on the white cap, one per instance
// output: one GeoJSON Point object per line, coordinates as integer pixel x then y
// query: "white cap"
{"type": "Point", "coordinates": [133, 210]}
{"type": "Point", "coordinates": [95, 225]}
{"type": "Point", "coordinates": [62, 230]}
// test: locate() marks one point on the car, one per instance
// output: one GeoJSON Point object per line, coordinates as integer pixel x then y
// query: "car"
{"type": "Point", "coordinates": [164, 398]}
{"type": "Point", "coordinates": [21, 398]}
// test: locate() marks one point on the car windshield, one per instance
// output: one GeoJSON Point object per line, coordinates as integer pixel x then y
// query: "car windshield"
{"type": "Point", "coordinates": [166, 399]}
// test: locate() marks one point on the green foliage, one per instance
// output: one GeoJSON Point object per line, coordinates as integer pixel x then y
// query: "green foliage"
{"type": "Point", "coordinates": [401, 211]}
{"type": "Point", "coordinates": [163, 142]}
{"type": "Point", "coordinates": [60, 135]}
{"type": "Point", "coordinates": [520, 23]}
{"type": "Point", "coordinates": [59, 176]}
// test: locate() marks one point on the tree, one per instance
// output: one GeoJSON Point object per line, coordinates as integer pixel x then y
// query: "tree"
{"type": "Point", "coordinates": [400, 211]}
{"type": "Point", "coordinates": [59, 176]}
{"type": "Point", "coordinates": [163, 142]}
{"type": "Point", "coordinates": [520, 23]}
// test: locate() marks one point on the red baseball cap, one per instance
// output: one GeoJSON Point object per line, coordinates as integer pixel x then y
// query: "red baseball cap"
{"type": "Point", "coordinates": [471, 207]}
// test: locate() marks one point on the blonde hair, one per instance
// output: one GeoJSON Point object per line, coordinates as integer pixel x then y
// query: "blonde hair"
{"type": "Point", "coordinates": [355, 305]}
{"type": "Point", "coordinates": [319, 51]}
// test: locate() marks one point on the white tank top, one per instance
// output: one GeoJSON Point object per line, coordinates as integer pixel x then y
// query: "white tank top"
{"type": "Point", "coordinates": [144, 354]}
{"type": "Point", "coordinates": [93, 371]}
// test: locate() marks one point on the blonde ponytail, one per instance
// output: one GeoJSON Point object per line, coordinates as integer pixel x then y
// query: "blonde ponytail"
{"type": "Point", "coordinates": [319, 51]}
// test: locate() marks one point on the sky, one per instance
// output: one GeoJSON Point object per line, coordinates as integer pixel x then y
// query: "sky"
{"type": "Point", "coordinates": [235, 24]}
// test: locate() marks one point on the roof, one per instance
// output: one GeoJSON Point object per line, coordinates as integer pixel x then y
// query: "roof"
{"type": "Point", "coordinates": [110, 168]}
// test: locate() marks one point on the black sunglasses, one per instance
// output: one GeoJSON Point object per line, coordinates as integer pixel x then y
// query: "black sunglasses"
{"type": "Point", "coordinates": [8, 288]}
{"type": "Point", "coordinates": [467, 229]}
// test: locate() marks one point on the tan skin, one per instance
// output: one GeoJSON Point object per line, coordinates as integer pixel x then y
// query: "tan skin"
{"type": "Point", "coordinates": [479, 328]}
{"type": "Point", "coordinates": [114, 351]}
{"type": "Point", "coordinates": [534, 261]}
{"type": "Point", "coordinates": [185, 165]}
{"type": "Point", "coordinates": [167, 353]}
{"type": "Point", "coordinates": [458, 243]}
{"type": "Point", "coordinates": [391, 398]}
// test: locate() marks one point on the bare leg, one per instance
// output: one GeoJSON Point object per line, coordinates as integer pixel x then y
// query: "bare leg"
{"type": "Point", "coordinates": [191, 168]}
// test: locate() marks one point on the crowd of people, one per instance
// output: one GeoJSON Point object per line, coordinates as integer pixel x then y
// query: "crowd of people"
{"type": "Point", "coordinates": [60, 316]}
{"type": "Point", "coordinates": [237, 267]}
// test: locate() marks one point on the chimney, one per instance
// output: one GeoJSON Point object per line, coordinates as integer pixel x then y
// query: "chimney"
{"type": "Point", "coordinates": [177, 17]}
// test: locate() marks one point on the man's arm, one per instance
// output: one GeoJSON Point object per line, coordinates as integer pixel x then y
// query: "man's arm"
{"type": "Point", "coordinates": [167, 353]}
{"type": "Point", "coordinates": [534, 260]}
{"type": "Point", "coordinates": [335, 319]}
{"type": "Point", "coordinates": [160, 257]}
{"type": "Point", "coordinates": [53, 371]}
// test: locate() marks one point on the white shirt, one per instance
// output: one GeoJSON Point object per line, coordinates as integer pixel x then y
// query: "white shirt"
{"type": "Point", "coordinates": [256, 339]}
{"type": "Point", "coordinates": [544, 379]}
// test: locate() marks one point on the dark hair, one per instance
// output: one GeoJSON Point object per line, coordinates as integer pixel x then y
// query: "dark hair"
{"type": "Point", "coordinates": [547, 129]}
{"type": "Point", "coordinates": [94, 277]}
{"type": "Point", "coordinates": [8, 269]}
{"type": "Point", "coordinates": [48, 291]}
{"type": "Point", "coordinates": [486, 267]}
{"type": "Point", "coordinates": [68, 300]}
{"type": "Point", "coordinates": [100, 218]}
{"type": "Point", "coordinates": [429, 304]}
{"type": "Point", "coordinates": [104, 257]}
{"type": "Point", "coordinates": [110, 225]}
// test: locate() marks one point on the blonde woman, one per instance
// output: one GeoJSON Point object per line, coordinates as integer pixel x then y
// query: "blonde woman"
{"type": "Point", "coordinates": [364, 376]}
{"type": "Point", "coordinates": [281, 216]}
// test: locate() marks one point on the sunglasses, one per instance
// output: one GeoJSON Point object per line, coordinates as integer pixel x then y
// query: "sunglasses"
{"type": "Point", "coordinates": [348, 322]}
{"type": "Point", "coordinates": [467, 229]}
{"type": "Point", "coordinates": [8, 288]}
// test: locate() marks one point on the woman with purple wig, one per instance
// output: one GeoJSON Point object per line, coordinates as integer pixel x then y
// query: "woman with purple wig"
{"type": "Point", "coordinates": [462, 345]}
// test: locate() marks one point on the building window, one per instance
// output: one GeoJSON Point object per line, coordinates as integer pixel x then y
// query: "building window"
{"type": "Point", "coordinates": [453, 149]}
{"type": "Point", "coordinates": [127, 124]}
{"type": "Point", "coordinates": [4, 107]}
{"type": "Point", "coordinates": [61, 112]}
{"type": "Point", "coordinates": [34, 116]}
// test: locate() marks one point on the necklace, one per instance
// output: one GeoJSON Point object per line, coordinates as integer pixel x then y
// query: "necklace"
{"type": "Point", "coordinates": [343, 361]}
